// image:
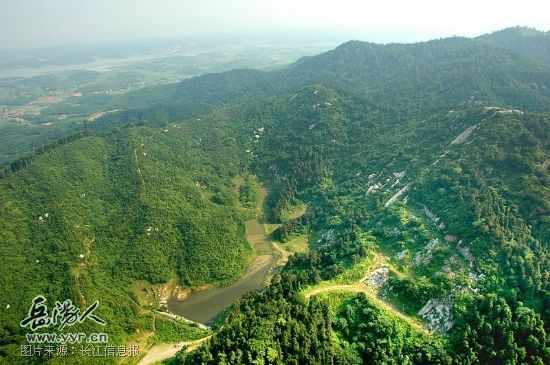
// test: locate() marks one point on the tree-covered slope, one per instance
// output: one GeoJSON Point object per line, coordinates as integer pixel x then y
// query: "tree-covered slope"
{"type": "Point", "coordinates": [525, 41]}
{"type": "Point", "coordinates": [89, 218]}
{"type": "Point", "coordinates": [456, 201]}
{"type": "Point", "coordinates": [426, 76]}
{"type": "Point", "coordinates": [422, 168]}
{"type": "Point", "coordinates": [413, 77]}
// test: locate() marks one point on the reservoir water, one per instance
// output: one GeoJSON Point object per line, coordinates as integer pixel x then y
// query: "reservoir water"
{"type": "Point", "coordinates": [204, 306]}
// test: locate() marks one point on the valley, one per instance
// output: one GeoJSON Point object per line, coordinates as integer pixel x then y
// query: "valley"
{"type": "Point", "coordinates": [371, 204]}
{"type": "Point", "coordinates": [205, 305]}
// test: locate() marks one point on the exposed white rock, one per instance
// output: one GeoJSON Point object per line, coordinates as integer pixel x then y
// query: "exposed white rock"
{"type": "Point", "coordinates": [464, 135]}
{"type": "Point", "coordinates": [475, 276]}
{"type": "Point", "coordinates": [450, 265]}
{"type": "Point", "coordinates": [399, 175]}
{"type": "Point", "coordinates": [434, 218]}
{"type": "Point", "coordinates": [424, 256]}
{"type": "Point", "coordinates": [437, 314]}
{"type": "Point", "coordinates": [327, 237]}
{"type": "Point", "coordinates": [378, 277]}
{"type": "Point", "coordinates": [373, 189]}
{"type": "Point", "coordinates": [487, 109]}
{"type": "Point", "coordinates": [510, 111]}
{"type": "Point", "coordinates": [465, 252]}
{"type": "Point", "coordinates": [401, 255]}
{"type": "Point", "coordinates": [396, 196]}
{"type": "Point", "coordinates": [450, 238]}
{"type": "Point", "coordinates": [498, 110]}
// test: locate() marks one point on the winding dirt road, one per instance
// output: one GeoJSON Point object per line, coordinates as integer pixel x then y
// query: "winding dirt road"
{"type": "Point", "coordinates": [362, 288]}
{"type": "Point", "coordinates": [165, 351]}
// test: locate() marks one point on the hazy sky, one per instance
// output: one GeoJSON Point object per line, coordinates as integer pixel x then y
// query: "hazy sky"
{"type": "Point", "coordinates": [44, 22]}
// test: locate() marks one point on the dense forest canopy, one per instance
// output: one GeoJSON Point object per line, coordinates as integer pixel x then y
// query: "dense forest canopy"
{"type": "Point", "coordinates": [421, 170]}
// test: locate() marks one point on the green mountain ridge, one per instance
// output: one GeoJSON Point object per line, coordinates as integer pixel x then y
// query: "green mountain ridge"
{"type": "Point", "coordinates": [522, 40]}
{"type": "Point", "coordinates": [89, 218]}
{"type": "Point", "coordinates": [431, 158]}
{"type": "Point", "coordinates": [465, 184]}
{"type": "Point", "coordinates": [411, 77]}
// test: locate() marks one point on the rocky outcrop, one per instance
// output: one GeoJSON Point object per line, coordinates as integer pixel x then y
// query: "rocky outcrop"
{"type": "Point", "coordinates": [378, 277]}
{"type": "Point", "coordinates": [438, 314]}
{"type": "Point", "coordinates": [396, 196]}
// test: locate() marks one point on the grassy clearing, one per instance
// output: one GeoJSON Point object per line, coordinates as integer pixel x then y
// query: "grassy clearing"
{"type": "Point", "coordinates": [358, 271]}
{"type": "Point", "coordinates": [299, 244]}
{"type": "Point", "coordinates": [336, 299]}
{"type": "Point", "coordinates": [293, 211]}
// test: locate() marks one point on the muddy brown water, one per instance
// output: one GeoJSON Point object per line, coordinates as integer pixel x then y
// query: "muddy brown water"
{"type": "Point", "coordinates": [204, 306]}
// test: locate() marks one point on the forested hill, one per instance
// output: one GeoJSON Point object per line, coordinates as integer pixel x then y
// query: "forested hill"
{"type": "Point", "coordinates": [468, 229]}
{"type": "Point", "coordinates": [416, 176]}
{"type": "Point", "coordinates": [412, 77]}
{"type": "Point", "coordinates": [456, 202]}
{"type": "Point", "coordinates": [429, 75]}
{"type": "Point", "coordinates": [104, 217]}
{"type": "Point", "coordinates": [523, 41]}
